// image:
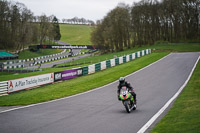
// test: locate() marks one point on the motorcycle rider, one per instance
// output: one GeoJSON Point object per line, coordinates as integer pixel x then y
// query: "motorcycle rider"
{"type": "Point", "coordinates": [122, 83]}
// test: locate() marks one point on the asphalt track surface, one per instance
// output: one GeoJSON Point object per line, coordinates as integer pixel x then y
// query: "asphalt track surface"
{"type": "Point", "coordinates": [99, 111]}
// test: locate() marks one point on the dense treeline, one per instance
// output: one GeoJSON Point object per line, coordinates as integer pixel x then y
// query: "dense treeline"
{"type": "Point", "coordinates": [146, 22]}
{"type": "Point", "coordinates": [19, 27]}
{"type": "Point", "coordinates": [77, 20]}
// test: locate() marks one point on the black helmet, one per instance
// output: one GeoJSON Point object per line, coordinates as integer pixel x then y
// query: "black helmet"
{"type": "Point", "coordinates": [121, 79]}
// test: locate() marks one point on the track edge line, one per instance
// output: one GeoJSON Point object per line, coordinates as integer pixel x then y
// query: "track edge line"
{"type": "Point", "coordinates": [150, 122]}
{"type": "Point", "coordinates": [27, 106]}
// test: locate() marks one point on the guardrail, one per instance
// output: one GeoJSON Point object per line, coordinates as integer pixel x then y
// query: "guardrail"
{"type": "Point", "coordinates": [38, 80]}
{"type": "Point", "coordinates": [3, 87]}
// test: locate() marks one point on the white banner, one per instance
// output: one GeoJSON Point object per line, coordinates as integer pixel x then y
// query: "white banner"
{"type": "Point", "coordinates": [103, 65]}
{"type": "Point", "coordinates": [133, 56]}
{"type": "Point", "coordinates": [120, 60]}
{"type": "Point", "coordinates": [138, 53]}
{"type": "Point", "coordinates": [91, 69]}
{"type": "Point", "coordinates": [112, 62]}
{"type": "Point", "coordinates": [127, 58]}
{"type": "Point", "coordinates": [142, 52]}
{"type": "Point", "coordinates": [29, 82]}
{"type": "Point", "coordinates": [147, 51]}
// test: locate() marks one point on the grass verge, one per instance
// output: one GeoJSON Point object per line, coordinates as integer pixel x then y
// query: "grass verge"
{"type": "Point", "coordinates": [78, 85]}
{"type": "Point", "coordinates": [177, 47]}
{"type": "Point", "coordinates": [184, 116]}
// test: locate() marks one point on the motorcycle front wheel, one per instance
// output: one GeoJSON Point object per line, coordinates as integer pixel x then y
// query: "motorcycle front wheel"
{"type": "Point", "coordinates": [127, 106]}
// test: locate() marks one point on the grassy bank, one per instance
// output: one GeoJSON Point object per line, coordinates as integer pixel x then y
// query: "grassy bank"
{"type": "Point", "coordinates": [184, 116]}
{"type": "Point", "coordinates": [77, 85]}
{"type": "Point", "coordinates": [26, 54]}
{"type": "Point", "coordinates": [76, 34]}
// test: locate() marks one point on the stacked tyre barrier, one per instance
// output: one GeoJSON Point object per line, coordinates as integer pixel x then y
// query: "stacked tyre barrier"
{"type": "Point", "coordinates": [21, 63]}
{"type": "Point", "coordinates": [48, 60]}
{"type": "Point", "coordinates": [34, 81]}
{"type": "Point", "coordinates": [7, 66]}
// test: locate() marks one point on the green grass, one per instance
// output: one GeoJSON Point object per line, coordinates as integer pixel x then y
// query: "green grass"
{"type": "Point", "coordinates": [184, 116]}
{"type": "Point", "coordinates": [86, 61]}
{"type": "Point", "coordinates": [103, 57]}
{"type": "Point", "coordinates": [26, 54]}
{"type": "Point", "coordinates": [176, 47]}
{"type": "Point", "coordinates": [96, 59]}
{"type": "Point", "coordinates": [78, 85]}
{"type": "Point", "coordinates": [156, 48]}
{"type": "Point", "coordinates": [75, 34]}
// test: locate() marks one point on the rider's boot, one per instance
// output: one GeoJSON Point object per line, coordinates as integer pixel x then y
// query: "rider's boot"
{"type": "Point", "coordinates": [134, 96]}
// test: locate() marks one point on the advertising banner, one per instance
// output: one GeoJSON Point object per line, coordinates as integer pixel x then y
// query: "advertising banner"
{"type": "Point", "coordinates": [57, 76]}
{"type": "Point", "coordinates": [69, 74]}
{"type": "Point", "coordinates": [65, 47]}
{"type": "Point", "coordinates": [29, 82]}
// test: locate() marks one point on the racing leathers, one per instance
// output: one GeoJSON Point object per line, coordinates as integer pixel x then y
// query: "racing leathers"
{"type": "Point", "coordinates": [128, 85]}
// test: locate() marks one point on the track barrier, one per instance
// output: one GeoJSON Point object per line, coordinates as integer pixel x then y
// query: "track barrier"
{"type": "Point", "coordinates": [34, 81]}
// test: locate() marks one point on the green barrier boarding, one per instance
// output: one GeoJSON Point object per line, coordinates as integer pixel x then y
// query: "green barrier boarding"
{"type": "Point", "coordinates": [124, 59]}
{"type": "Point", "coordinates": [97, 67]}
{"type": "Point", "coordinates": [130, 57]}
{"type": "Point", "coordinates": [85, 70]}
{"type": "Point", "coordinates": [117, 61]}
{"type": "Point", "coordinates": [108, 64]}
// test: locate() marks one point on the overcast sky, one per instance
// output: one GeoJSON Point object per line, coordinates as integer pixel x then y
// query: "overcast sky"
{"type": "Point", "coordinates": [88, 9]}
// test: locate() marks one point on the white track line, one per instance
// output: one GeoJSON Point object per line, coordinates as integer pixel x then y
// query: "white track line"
{"type": "Point", "coordinates": [150, 122]}
{"type": "Point", "coordinates": [80, 93]}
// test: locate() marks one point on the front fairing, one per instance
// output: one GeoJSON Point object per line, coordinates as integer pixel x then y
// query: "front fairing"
{"type": "Point", "coordinates": [122, 97]}
{"type": "Point", "coordinates": [124, 94]}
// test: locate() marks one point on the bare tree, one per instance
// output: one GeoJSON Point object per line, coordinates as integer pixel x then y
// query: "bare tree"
{"type": "Point", "coordinates": [148, 21]}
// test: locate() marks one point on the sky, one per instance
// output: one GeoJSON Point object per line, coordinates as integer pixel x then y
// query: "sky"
{"type": "Point", "coordinates": [88, 9]}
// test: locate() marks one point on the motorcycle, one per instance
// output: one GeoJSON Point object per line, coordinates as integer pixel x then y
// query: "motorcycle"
{"type": "Point", "coordinates": [127, 99]}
